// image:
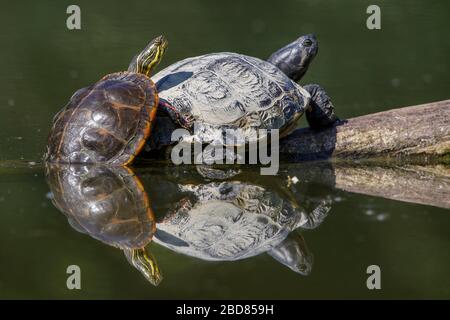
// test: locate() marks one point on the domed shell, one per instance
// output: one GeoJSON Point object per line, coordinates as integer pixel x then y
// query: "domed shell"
{"type": "Point", "coordinates": [228, 221]}
{"type": "Point", "coordinates": [107, 122]}
{"type": "Point", "coordinates": [108, 203]}
{"type": "Point", "coordinates": [230, 91]}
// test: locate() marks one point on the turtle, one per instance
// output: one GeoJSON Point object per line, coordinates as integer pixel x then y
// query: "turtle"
{"type": "Point", "coordinates": [110, 204]}
{"type": "Point", "coordinates": [109, 121]}
{"type": "Point", "coordinates": [235, 220]}
{"type": "Point", "coordinates": [214, 93]}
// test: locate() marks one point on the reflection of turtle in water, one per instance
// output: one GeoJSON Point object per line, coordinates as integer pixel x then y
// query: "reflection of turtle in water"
{"type": "Point", "coordinates": [232, 220]}
{"type": "Point", "coordinates": [110, 205]}
{"type": "Point", "coordinates": [222, 221]}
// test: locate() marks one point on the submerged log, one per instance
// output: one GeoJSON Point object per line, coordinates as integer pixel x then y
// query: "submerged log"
{"type": "Point", "coordinates": [422, 130]}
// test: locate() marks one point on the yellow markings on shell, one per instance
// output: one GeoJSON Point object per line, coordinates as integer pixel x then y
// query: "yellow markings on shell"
{"type": "Point", "coordinates": [140, 186]}
{"type": "Point", "coordinates": [147, 131]}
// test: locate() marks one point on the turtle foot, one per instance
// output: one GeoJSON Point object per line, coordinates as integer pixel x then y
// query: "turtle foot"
{"type": "Point", "coordinates": [321, 113]}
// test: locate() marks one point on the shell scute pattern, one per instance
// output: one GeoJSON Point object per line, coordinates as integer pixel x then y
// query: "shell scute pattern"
{"type": "Point", "coordinates": [249, 84]}
{"type": "Point", "coordinates": [229, 221]}
{"type": "Point", "coordinates": [104, 122]}
{"type": "Point", "coordinates": [209, 95]}
{"type": "Point", "coordinates": [208, 86]}
{"type": "Point", "coordinates": [229, 90]}
{"type": "Point", "coordinates": [106, 203]}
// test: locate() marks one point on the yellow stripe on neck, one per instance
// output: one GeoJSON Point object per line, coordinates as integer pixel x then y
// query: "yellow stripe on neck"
{"type": "Point", "coordinates": [149, 63]}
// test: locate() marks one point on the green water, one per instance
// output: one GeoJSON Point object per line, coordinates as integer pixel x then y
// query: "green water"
{"type": "Point", "coordinates": [404, 63]}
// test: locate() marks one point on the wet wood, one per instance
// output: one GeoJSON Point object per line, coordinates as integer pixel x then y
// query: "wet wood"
{"type": "Point", "coordinates": [422, 130]}
{"type": "Point", "coordinates": [429, 185]}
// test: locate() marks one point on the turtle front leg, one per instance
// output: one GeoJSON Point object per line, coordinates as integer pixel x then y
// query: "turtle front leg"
{"type": "Point", "coordinates": [321, 112]}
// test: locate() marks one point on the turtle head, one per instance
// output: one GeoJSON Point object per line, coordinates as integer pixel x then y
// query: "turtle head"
{"type": "Point", "coordinates": [145, 263]}
{"type": "Point", "coordinates": [150, 57]}
{"type": "Point", "coordinates": [294, 58]}
{"type": "Point", "coordinates": [308, 46]}
{"type": "Point", "coordinates": [294, 254]}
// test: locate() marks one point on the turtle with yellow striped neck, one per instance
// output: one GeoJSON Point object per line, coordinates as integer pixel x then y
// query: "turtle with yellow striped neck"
{"type": "Point", "coordinates": [109, 121]}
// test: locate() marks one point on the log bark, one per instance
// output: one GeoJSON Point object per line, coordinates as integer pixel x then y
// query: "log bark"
{"type": "Point", "coordinates": [422, 130]}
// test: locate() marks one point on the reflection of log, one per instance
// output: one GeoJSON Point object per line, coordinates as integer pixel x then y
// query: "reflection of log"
{"type": "Point", "coordinates": [416, 184]}
{"type": "Point", "coordinates": [428, 185]}
{"type": "Point", "coordinates": [422, 130]}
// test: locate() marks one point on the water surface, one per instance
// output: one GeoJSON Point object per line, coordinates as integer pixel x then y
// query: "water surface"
{"type": "Point", "coordinates": [404, 63]}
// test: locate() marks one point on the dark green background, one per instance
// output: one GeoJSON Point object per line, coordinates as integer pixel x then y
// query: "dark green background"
{"type": "Point", "coordinates": [42, 64]}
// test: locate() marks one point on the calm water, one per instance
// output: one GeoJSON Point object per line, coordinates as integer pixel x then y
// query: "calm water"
{"type": "Point", "coordinates": [371, 220]}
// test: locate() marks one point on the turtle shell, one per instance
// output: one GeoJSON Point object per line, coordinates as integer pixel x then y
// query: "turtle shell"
{"type": "Point", "coordinates": [228, 221]}
{"type": "Point", "coordinates": [230, 91]}
{"type": "Point", "coordinates": [108, 203]}
{"type": "Point", "coordinates": [107, 122]}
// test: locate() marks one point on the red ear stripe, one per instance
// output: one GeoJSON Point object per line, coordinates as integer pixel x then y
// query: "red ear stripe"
{"type": "Point", "coordinates": [167, 105]}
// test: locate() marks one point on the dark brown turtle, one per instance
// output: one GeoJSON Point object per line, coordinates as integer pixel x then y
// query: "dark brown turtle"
{"type": "Point", "coordinates": [109, 121]}
{"type": "Point", "coordinates": [111, 205]}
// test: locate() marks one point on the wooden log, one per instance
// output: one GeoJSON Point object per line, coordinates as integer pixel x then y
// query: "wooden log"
{"type": "Point", "coordinates": [422, 130]}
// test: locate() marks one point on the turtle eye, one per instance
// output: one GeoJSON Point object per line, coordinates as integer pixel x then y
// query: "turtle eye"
{"type": "Point", "coordinates": [307, 43]}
